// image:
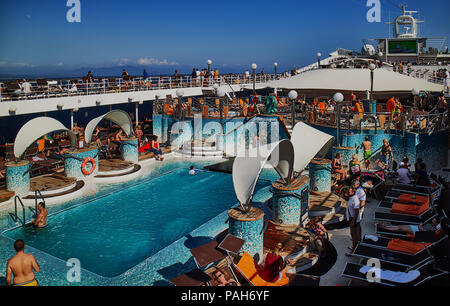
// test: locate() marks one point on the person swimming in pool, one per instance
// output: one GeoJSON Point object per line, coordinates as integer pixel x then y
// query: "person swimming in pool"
{"type": "Point", "coordinates": [193, 171]}
{"type": "Point", "coordinates": [41, 218]}
{"type": "Point", "coordinates": [21, 267]}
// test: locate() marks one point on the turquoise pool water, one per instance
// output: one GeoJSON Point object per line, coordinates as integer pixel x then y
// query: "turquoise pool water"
{"type": "Point", "coordinates": [115, 232]}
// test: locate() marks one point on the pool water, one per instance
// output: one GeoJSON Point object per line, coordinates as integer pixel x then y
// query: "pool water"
{"type": "Point", "coordinates": [113, 233]}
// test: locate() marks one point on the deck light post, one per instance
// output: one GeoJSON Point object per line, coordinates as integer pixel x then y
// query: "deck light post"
{"type": "Point", "coordinates": [209, 62]}
{"type": "Point", "coordinates": [338, 98]}
{"type": "Point", "coordinates": [319, 55]}
{"type": "Point", "coordinates": [415, 92]}
{"type": "Point", "coordinates": [221, 93]}
{"type": "Point", "coordinates": [372, 68]}
{"type": "Point", "coordinates": [254, 67]}
{"type": "Point", "coordinates": [275, 65]}
{"type": "Point", "coordinates": [293, 95]}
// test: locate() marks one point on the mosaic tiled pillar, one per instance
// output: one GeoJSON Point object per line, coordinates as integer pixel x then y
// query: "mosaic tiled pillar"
{"type": "Point", "coordinates": [249, 227]}
{"type": "Point", "coordinates": [165, 130]}
{"type": "Point", "coordinates": [291, 202]}
{"type": "Point", "coordinates": [320, 175]}
{"type": "Point", "coordinates": [130, 151]}
{"type": "Point", "coordinates": [157, 125]}
{"type": "Point", "coordinates": [18, 177]}
{"type": "Point", "coordinates": [346, 154]}
{"type": "Point", "coordinates": [73, 161]}
{"type": "Point", "coordinates": [220, 142]}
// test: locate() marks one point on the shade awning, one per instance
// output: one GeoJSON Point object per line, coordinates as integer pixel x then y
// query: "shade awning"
{"type": "Point", "coordinates": [35, 129]}
{"type": "Point", "coordinates": [308, 143]}
{"type": "Point", "coordinates": [119, 117]}
{"type": "Point", "coordinates": [246, 170]}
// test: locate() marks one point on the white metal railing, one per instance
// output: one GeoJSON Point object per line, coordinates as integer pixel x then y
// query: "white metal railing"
{"type": "Point", "coordinates": [76, 87]}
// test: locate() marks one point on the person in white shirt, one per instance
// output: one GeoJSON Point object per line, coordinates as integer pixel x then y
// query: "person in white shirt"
{"type": "Point", "coordinates": [26, 87]}
{"type": "Point", "coordinates": [193, 171]}
{"type": "Point", "coordinates": [354, 215]}
{"type": "Point", "coordinates": [403, 174]}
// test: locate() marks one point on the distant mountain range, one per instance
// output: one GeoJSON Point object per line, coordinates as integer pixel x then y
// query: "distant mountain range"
{"type": "Point", "coordinates": [54, 72]}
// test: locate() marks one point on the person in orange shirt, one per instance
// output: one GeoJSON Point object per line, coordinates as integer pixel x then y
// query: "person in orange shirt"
{"type": "Point", "coordinates": [322, 107]}
{"type": "Point", "coordinates": [390, 105]}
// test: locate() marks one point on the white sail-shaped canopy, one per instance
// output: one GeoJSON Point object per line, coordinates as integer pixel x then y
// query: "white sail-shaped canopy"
{"type": "Point", "coordinates": [35, 129]}
{"type": "Point", "coordinates": [246, 170]}
{"type": "Point", "coordinates": [119, 117]}
{"type": "Point", "coordinates": [308, 143]}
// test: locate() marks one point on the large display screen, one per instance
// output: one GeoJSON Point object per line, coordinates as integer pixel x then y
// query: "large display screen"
{"type": "Point", "coordinates": [402, 47]}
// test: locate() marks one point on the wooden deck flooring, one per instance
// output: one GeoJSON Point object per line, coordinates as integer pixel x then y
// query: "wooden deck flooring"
{"type": "Point", "coordinates": [106, 165]}
{"type": "Point", "coordinates": [325, 200]}
{"type": "Point", "coordinates": [50, 182]}
{"type": "Point", "coordinates": [5, 195]}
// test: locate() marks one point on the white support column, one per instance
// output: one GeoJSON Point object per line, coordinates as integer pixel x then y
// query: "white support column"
{"type": "Point", "coordinates": [136, 106]}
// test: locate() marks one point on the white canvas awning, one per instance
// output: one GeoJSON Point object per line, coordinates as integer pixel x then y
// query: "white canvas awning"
{"type": "Point", "coordinates": [36, 129]}
{"type": "Point", "coordinates": [119, 117]}
{"type": "Point", "coordinates": [246, 170]}
{"type": "Point", "coordinates": [309, 142]}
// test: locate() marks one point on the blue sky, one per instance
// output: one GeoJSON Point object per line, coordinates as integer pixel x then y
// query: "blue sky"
{"type": "Point", "coordinates": [170, 34]}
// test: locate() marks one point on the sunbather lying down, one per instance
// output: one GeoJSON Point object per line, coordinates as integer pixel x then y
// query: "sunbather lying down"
{"type": "Point", "coordinates": [410, 229]}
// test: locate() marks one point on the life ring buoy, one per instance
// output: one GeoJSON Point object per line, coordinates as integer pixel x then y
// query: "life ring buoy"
{"type": "Point", "coordinates": [83, 166]}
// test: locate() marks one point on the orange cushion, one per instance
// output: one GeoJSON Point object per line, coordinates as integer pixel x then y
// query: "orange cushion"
{"type": "Point", "coordinates": [406, 246]}
{"type": "Point", "coordinates": [420, 200]}
{"type": "Point", "coordinates": [246, 267]}
{"type": "Point", "coordinates": [409, 209]}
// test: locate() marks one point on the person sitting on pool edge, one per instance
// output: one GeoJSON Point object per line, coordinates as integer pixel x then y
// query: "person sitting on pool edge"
{"type": "Point", "coordinates": [221, 279]}
{"type": "Point", "coordinates": [154, 148]}
{"type": "Point", "coordinates": [193, 171]}
{"type": "Point", "coordinates": [21, 267]}
{"type": "Point", "coordinates": [41, 218]}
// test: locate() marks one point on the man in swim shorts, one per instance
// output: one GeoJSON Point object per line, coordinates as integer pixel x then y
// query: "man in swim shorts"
{"type": "Point", "coordinates": [21, 266]}
{"type": "Point", "coordinates": [41, 218]}
{"type": "Point", "coordinates": [367, 145]}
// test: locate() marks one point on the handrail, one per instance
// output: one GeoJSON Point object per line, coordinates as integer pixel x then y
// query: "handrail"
{"type": "Point", "coordinates": [35, 209]}
{"type": "Point", "coordinates": [15, 216]}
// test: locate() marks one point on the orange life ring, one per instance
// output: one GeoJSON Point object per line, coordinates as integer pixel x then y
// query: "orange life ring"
{"type": "Point", "coordinates": [83, 166]}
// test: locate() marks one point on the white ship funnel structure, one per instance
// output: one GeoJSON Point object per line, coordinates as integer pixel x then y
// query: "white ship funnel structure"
{"type": "Point", "coordinates": [35, 129]}
{"type": "Point", "coordinates": [246, 170]}
{"type": "Point", "coordinates": [308, 143]}
{"type": "Point", "coordinates": [119, 117]}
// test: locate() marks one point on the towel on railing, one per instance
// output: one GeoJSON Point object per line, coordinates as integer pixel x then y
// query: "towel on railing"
{"type": "Point", "coordinates": [397, 277]}
{"type": "Point", "coordinates": [407, 247]}
{"type": "Point", "coordinates": [409, 209]}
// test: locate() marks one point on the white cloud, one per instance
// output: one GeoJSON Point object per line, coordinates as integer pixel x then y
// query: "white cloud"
{"type": "Point", "coordinates": [60, 64]}
{"type": "Point", "coordinates": [17, 64]}
{"type": "Point", "coordinates": [121, 61]}
{"type": "Point", "coordinates": [154, 61]}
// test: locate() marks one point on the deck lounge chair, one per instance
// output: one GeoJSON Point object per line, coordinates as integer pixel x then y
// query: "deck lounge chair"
{"type": "Point", "coordinates": [406, 209]}
{"type": "Point", "coordinates": [423, 274]}
{"type": "Point", "coordinates": [383, 243]}
{"type": "Point", "coordinates": [403, 260]}
{"type": "Point", "coordinates": [420, 190]}
{"type": "Point", "coordinates": [205, 256]}
{"type": "Point", "coordinates": [405, 219]}
{"type": "Point", "coordinates": [246, 267]}
{"type": "Point", "coordinates": [193, 278]}
{"type": "Point", "coordinates": [419, 236]}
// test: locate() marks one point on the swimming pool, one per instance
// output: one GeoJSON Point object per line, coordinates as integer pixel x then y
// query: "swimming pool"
{"type": "Point", "coordinates": [113, 233]}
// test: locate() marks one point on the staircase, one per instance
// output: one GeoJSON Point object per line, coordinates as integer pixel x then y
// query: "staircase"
{"type": "Point", "coordinates": [199, 149]}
